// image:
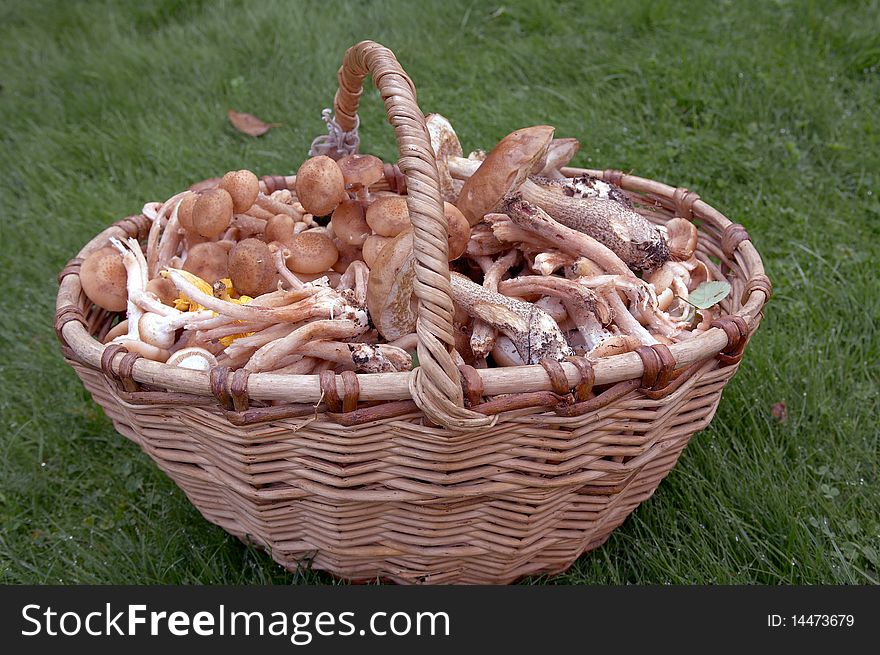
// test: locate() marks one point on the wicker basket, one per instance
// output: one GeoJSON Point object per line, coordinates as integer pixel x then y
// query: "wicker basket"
{"type": "Point", "coordinates": [440, 475]}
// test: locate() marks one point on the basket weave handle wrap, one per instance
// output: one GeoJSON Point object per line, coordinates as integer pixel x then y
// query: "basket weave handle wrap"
{"type": "Point", "coordinates": [434, 384]}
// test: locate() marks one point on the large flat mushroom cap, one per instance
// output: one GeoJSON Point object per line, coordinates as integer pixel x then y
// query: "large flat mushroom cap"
{"type": "Point", "coordinates": [504, 169]}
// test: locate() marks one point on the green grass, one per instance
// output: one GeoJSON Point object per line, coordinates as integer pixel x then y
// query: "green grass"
{"type": "Point", "coordinates": [769, 110]}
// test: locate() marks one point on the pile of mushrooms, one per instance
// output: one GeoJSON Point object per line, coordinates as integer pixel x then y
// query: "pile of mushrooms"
{"type": "Point", "coordinates": [319, 275]}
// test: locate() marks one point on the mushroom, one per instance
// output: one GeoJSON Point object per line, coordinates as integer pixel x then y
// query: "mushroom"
{"type": "Point", "coordinates": [349, 224]}
{"type": "Point", "coordinates": [196, 359]}
{"type": "Point", "coordinates": [103, 279]}
{"type": "Point", "coordinates": [390, 298]}
{"type": "Point", "coordinates": [280, 228]}
{"type": "Point", "coordinates": [458, 231]}
{"type": "Point", "coordinates": [320, 185]}
{"type": "Point", "coordinates": [388, 216]}
{"type": "Point", "coordinates": [212, 212]}
{"type": "Point", "coordinates": [483, 335]}
{"type": "Point", "coordinates": [185, 212]}
{"type": "Point", "coordinates": [533, 332]}
{"type": "Point", "coordinates": [251, 267]}
{"type": "Point", "coordinates": [163, 289]}
{"type": "Point", "coordinates": [534, 219]}
{"type": "Point", "coordinates": [359, 172]}
{"type": "Point", "coordinates": [445, 144]}
{"type": "Point", "coordinates": [503, 171]}
{"type": "Point", "coordinates": [610, 220]}
{"type": "Point", "coordinates": [311, 252]}
{"type": "Point", "coordinates": [243, 187]}
{"type": "Point", "coordinates": [161, 331]}
{"type": "Point", "coordinates": [267, 356]}
{"type": "Point", "coordinates": [681, 237]}
{"type": "Point", "coordinates": [372, 247]}
{"type": "Point", "coordinates": [361, 357]}
{"type": "Point", "coordinates": [209, 261]}
{"type": "Point", "coordinates": [559, 153]}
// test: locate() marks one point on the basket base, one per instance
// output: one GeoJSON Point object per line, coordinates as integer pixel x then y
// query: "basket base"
{"type": "Point", "coordinates": [268, 484]}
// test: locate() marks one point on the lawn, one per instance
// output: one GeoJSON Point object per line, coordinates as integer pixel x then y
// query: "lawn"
{"type": "Point", "coordinates": [769, 110]}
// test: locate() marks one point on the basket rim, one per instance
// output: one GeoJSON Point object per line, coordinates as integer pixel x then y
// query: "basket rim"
{"type": "Point", "coordinates": [396, 386]}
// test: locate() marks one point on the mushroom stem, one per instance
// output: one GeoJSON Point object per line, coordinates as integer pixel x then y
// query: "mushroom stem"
{"type": "Point", "coordinates": [536, 220]}
{"type": "Point", "coordinates": [353, 283]}
{"type": "Point", "coordinates": [568, 291]}
{"type": "Point", "coordinates": [267, 356]}
{"type": "Point", "coordinates": [626, 321]}
{"type": "Point", "coordinates": [483, 334]}
{"type": "Point", "coordinates": [365, 357]}
{"type": "Point", "coordinates": [280, 256]}
{"type": "Point", "coordinates": [534, 332]}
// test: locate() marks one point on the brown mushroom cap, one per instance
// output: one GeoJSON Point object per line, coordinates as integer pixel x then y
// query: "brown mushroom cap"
{"type": "Point", "coordinates": [388, 216]}
{"type": "Point", "coordinates": [350, 224]}
{"type": "Point", "coordinates": [209, 261]}
{"type": "Point", "coordinates": [372, 247]}
{"type": "Point", "coordinates": [251, 267]}
{"type": "Point", "coordinates": [243, 186]}
{"type": "Point", "coordinates": [360, 171]}
{"type": "Point", "coordinates": [280, 228]}
{"type": "Point", "coordinates": [164, 289]}
{"type": "Point", "coordinates": [185, 211]}
{"type": "Point", "coordinates": [504, 169]}
{"type": "Point", "coordinates": [390, 299]}
{"type": "Point", "coordinates": [212, 212]}
{"type": "Point", "coordinates": [458, 230]}
{"type": "Point", "coordinates": [103, 278]}
{"type": "Point", "coordinates": [311, 252]}
{"type": "Point", "coordinates": [320, 185]}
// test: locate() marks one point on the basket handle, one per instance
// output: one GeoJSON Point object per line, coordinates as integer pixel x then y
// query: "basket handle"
{"type": "Point", "coordinates": [435, 384]}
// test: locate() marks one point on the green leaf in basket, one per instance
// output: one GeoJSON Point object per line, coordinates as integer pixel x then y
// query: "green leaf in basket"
{"type": "Point", "coordinates": [415, 360]}
{"type": "Point", "coordinates": [708, 294]}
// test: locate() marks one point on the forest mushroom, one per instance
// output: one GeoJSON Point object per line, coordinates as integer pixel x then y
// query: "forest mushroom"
{"type": "Point", "coordinates": [445, 144]}
{"type": "Point", "coordinates": [194, 358]}
{"type": "Point", "coordinates": [359, 172]}
{"type": "Point", "coordinates": [185, 211]}
{"type": "Point", "coordinates": [349, 224]}
{"type": "Point", "coordinates": [163, 289]}
{"type": "Point", "coordinates": [209, 261]}
{"type": "Point", "coordinates": [458, 231]}
{"type": "Point", "coordinates": [267, 356]}
{"type": "Point", "coordinates": [534, 219]}
{"type": "Point", "coordinates": [280, 228]}
{"type": "Point", "coordinates": [390, 299]}
{"type": "Point", "coordinates": [559, 153]}
{"type": "Point", "coordinates": [388, 216]}
{"type": "Point", "coordinates": [506, 167]}
{"type": "Point", "coordinates": [243, 187]}
{"type": "Point", "coordinates": [360, 357]}
{"type": "Point", "coordinates": [251, 267]}
{"type": "Point", "coordinates": [372, 247]}
{"type": "Point", "coordinates": [483, 335]}
{"type": "Point", "coordinates": [610, 221]}
{"type": "Point", "coordinates": [161, 331]}
{"type": "Point", "coordinates": [534, 333]}
{"type": "Point", "coordinates": [681, 238]}
{"type": "Point", "coordinates": [212, 212]}
{"type": "Point", "coordinates": [320, 185]}
{"type": "Point", "coordinates": [103, 279]}
{"type": "Point", "coordinates": [311, 252]}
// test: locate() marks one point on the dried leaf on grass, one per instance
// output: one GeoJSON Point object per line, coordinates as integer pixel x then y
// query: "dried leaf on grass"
{"type": "Point", "coordinates": [248, 123]}
{"type": "Point", "coordinates": [780, 412]}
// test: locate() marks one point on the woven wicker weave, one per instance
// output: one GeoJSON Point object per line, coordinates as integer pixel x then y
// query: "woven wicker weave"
{"type": "Point", "coordinates": [442, 475]}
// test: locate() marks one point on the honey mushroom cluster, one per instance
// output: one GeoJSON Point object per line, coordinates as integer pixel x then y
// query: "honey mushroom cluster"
{"type": "Point", "coordinates": [316, 273]}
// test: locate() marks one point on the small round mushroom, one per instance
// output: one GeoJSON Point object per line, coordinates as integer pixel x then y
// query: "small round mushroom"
{"type": "Point", "coordinates": [349, 223]}
{"type": "Point", "coordinates": [185, 211]}
{"type": "Point", "coordinates": [212, 212]}
{"type": "Point", "coordinates": [311, 252]}
{"type": "Point", "coordinates": [164, 290]}
{"type": "Point", "coordinates": [280, 228]}
{"type": "Point", "coordinates": [243, 187]}
{"type": "Point", "coordinates": [196, 359]}
{"type": "Point", "coordinates": [320, 185]}
{"type": "Point", "coordinates": [359, 172]}
{"type": "Point", "coordinates": [372, 247]}
{"type": "Point", "coordinates": [251, 267]}
{"type": "Point", "coordinates": [388, 216]}
{"type": "Point", "coordinates": [209, 261]}
{"type": "Point", "coordinates": [103, 279]}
